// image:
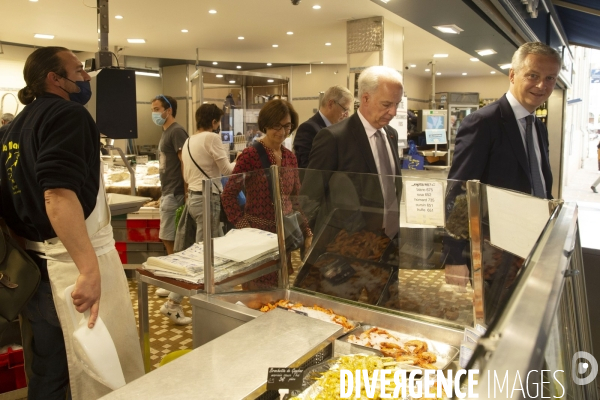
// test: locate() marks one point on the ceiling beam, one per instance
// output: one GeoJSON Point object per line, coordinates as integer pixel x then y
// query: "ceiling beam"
{"type": "Point", "coordinates": [575, 7]}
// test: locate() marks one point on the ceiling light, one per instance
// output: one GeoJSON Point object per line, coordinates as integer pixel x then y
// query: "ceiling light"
{"type": "Point", "coordinates": [440, 55]}
{"type": "Point", "coordinates": [385, 1]}
{"type": "Point", "coordinates": [275, 45]}
{"type": "Point", "coordinates": [504, 66]}
{"type": "Point", "coordinates": [269, 64]}
{"type": "Point", "coordinates": [155, 74]}
{"type": "Point", "coordinates": [327, 44]}
{"type": "Point", "coordinates": [290, 33]}
{"type": "Point", "coordinates": [464, 73]}
{"type": "Point", "coordinates": [321, 62]}
{"type": "Point", "coordinates": [231, 81]}
{"type": "Point", "coordinates": [118, 16]}
{"type": "Point", "coordinates": [492, 72]}
{"type": "Point", "coordinates": [317, 7]}
{"type": "Point", "coordinates": [239, 67]}
{"type": "Point", "coordinates": [33, 1]}
{"type": "Point", "coordinates": [136, 41]}
{"type": "Point", "coordinates": [42, 36]}
{"type": "Point", "coordinates": [241, 38]}
{"type": "Point", "coordinates": [212, 11]}
{"type": "Point", "coordinates": [413, 65]}
{"type": "Point", "coordinates": [270, 80]}
{"type": "Point", "coordinates": [474, 59]}
{"type": "Point", "coordinates": [219, 76]}
{"type": "Point", "coordinates": [485, 52]}
{"type": "Point", "coordinates": [438, 73]}
{"type": "Point", "coordinates": [215, 63]}
{"type": "Point", "coordinates": [449, 29]}
{"type": "Point", "coordinates": [427, 70]}
{"type": "Point", "coordinates": [184, 30]}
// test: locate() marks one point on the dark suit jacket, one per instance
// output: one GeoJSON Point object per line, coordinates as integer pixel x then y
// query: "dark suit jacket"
{"type": "Point", "coordinates": [489, 147]}
{"type": "Point", "coordinates": [345, 147]}
{"type": "Point", "coordinates": [305, 135]}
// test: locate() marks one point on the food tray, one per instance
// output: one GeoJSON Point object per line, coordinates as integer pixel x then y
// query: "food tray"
{"type": "Point", "coordinates": [444, 352]}
{"type": "Point", "coordinates": [365, 286]}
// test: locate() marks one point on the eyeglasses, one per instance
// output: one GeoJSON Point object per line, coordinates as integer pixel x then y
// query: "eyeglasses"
{"type": "Point", "coordinates": [287, 127]}
{"type": "Point", "coordinates": [346, 110]}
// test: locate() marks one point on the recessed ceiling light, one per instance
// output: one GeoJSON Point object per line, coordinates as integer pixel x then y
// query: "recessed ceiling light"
{"type": "Point", "coordinates": [33, 1]}
{"type": "Point", "coordinates": [241, 37]}
{"type": "Point", "coordinates": [464, 73]}
{"type": "Point", "coordinates": [474, 59]}
{"type": "Point", "coordinates": [505, 66]}
{"type": "Point", "coordinates": [485, 52]}
{"type": "Point", "coordinates": [270, 80]}
{"type": "Point", "coordinates": [275, 45]}
{"type": "Point", "coordinates": [231, 81]}
{"type": "Point", "coordinates": [427, 70]}
{"type": "Point", "coordinates": [321, 62]}
{"type": "Point", "coordinates": [136, 40]}
{"type": "Point", "coordinates": [42, 36]}
{"type": "Point", "coordinates": [154, 74]}
{"type": "Point", "coordinates": [316, 7]}
{"type": "Point", "coordinates": [290, 33]}
{"type": "Point", "coordinates": [413, 65]}
{"type": "Point", "coordinates": [219, 76]}
{"type": "Point", "coordinates": [449, 29]}
{"type": "Point", "coordinates": [215, 63]}
{"type": "Point", "coordinates": [184, 31]}
{"type": "Point", "coordinates": [385, 1]}
{"type": "Point", "coordinates": [269, 64]}
{"type": "Point", "coordinates": [212, 11]}
{"type": "Point", "coordinates": [438, 73]}
{"type": "Point", "coordinates": [239, 67]}
{"type": "Point", "coordinates": [492, 72]}
{"type": "Point", "coordinates": [440, 55]}
{"type": "Point", "coordinates": [118, 16]}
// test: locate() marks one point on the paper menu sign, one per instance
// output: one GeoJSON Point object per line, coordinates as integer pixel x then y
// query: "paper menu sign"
{"type": "Point", "coordinates": [516, 220]}
{"type": "Point", "coordinates": [424, 203]}
{"type": "Point", "coordinates": [433, 136]}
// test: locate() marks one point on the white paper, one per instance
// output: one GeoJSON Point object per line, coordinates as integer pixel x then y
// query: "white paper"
{"type": "Point", "coordinates": [244, 244]}
{"type": "Point", "coordinates": [516, 220]}
{"type": "Point", "coordinates": [424, 203]}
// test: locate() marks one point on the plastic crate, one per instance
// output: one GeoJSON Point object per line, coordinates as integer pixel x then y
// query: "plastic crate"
{"type": "Point", "coordinates": [12, 371]}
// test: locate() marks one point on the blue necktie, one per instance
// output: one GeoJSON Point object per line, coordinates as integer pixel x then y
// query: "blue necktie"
{"type": "Point", "coordinates": [536, 179]}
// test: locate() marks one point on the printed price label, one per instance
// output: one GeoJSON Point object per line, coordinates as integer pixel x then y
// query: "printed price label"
{"type": "Point", "coordinates": [285, 378]}
{"type": "Point", "coordinates": [425, 203]}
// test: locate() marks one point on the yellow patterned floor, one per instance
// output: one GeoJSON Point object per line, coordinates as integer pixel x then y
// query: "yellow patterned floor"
{"type": "Point", "coordinates": [165, 337]}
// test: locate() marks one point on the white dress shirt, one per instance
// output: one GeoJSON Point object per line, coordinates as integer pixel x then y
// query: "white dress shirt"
{"type": "Point", "coordinates": [372, 141]}
{"type": "Point", "coordinates": [520, 114]}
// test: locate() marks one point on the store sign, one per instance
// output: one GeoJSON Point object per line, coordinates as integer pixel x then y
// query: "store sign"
{"type": "Point", "coordinates": [425, 203]}
{"type": "Point", "coordinates": [285, 378]}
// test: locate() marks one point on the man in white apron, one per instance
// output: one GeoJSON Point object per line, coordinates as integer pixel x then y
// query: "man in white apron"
{"type": "Point", "coordinates": [52, 196]}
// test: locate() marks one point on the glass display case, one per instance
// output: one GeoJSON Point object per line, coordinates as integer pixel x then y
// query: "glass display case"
{"type": "Point", "coordinates": [241, 94]}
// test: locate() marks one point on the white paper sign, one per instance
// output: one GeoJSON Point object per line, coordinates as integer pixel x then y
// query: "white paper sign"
{"type": "Point", "coordinates": [431, 135]}
{"type": "Point", "coordinates": [516, 220]}
{"type": "Point", "coordinates": [424, 203]}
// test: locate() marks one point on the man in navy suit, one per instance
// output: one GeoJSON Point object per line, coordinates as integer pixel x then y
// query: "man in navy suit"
{"type": "Point", "coordinates": [503, 144]}
{"type": "Point", "coordinates": [334, 107]}
{"type": "Point", "coordinates": [364, 143]}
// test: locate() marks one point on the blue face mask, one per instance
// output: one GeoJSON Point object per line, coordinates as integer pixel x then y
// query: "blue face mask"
{"type": "Point", "coordinates": [84, 94]}
{"type": "Point", "coordinates": [158, 119]}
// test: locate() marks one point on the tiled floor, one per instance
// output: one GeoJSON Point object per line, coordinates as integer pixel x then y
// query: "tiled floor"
{"type": "Point", "coordinates": [165, 337]}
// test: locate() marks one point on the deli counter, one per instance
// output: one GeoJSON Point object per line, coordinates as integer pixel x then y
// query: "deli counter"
{"type": "Point", "coordinates": [524, 290]}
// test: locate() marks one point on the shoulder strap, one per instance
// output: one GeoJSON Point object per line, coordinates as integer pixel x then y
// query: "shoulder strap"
{"type": "Point", "coordinates": [264, 160]}
{"type": "Point", "coordinates": [201, 170]}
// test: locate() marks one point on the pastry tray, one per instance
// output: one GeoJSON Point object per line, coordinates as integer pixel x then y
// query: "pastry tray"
{"type": "Point", "coordinates": [444, 352]}
{"type": "Point", "coordinates": [364, 286]}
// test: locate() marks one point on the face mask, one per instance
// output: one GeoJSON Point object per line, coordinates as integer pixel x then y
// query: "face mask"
{"type": "Point", "coordinates": [158, 119]}
{"type": "Point", "coordinates": [84, 94]}
{"type": "Point", "coordinates": [218, 130]}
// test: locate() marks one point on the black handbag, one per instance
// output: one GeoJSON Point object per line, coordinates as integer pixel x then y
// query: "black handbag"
{"type": "Point", "coordinates": [293, 234]}
{"type": "Point", "coordinates": [222, 214]}
{"type": "Point", "coordinates": [19, 278]}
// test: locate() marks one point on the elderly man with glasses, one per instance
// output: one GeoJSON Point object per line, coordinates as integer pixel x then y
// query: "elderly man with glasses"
{"type": "Point", "coordinates": [335, 105]}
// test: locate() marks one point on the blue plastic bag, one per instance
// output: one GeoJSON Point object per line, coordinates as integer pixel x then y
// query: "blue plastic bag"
{"type": "Point", "coordinates": [413, 160]}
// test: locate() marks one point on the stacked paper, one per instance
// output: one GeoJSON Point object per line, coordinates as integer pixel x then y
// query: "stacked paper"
{"type": "Point", "coordinates": [245, 244]}
{"type": "Point", "coordinates": [469, 343]}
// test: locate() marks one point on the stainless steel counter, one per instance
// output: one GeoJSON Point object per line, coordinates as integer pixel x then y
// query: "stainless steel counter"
{"type": "Point", "coordinates": [234, 366]}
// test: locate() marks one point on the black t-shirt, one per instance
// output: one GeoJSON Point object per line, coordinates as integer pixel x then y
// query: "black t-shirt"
{"type": "Point", "coordinates": [52, 144]}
